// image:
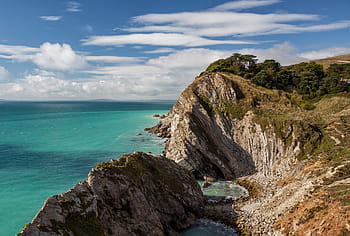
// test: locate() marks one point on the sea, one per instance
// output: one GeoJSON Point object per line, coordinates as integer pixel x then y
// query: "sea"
{"type": "Point", "coordinates": [48, 147]}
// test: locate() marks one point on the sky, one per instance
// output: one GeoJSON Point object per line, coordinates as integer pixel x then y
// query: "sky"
{"type": "Point", "coordinates": [152, 49]}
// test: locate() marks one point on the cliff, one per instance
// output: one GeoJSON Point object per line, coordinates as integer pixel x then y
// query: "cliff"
{"type": "Point", "coordinates": [224, 126]}
{"type": "Point", "coordinates": [292, 154]}
{"type": "Point", "coordinates": [137, 194]}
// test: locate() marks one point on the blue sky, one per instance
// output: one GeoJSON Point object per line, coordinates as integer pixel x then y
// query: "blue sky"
{"type": "Point", "coordinates": [141, 50]}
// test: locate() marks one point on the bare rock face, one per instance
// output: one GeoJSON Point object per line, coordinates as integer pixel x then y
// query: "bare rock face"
{"type": "Point", "coordinates": [213, 130]}
{"type": "Point", "coordinates": [137, 194]}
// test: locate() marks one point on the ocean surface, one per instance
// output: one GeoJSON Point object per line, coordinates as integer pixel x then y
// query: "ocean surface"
{"type": "Point", "coordinates": [48, 147]}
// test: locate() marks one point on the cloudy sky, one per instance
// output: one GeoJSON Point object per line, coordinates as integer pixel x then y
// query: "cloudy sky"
{"type": "Point", "coordinates": [141, 50]}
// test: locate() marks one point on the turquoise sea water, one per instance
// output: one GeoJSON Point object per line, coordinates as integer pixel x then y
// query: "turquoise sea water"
{"type": "Point", "coordinates": [47, 147]}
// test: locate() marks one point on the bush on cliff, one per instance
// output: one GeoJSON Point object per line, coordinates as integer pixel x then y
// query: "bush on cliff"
{"type": "Point", "coordinates": [307, 79]}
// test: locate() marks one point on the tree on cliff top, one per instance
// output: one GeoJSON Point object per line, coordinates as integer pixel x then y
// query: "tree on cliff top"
{"type": "Point", "coordinates": [307, 79]}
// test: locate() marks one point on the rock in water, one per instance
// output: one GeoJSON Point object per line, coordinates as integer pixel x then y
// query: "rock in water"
{"type": "Point", "coordinates": [206, 184]}
{"type": "Point", "coordinates": [137, 194]}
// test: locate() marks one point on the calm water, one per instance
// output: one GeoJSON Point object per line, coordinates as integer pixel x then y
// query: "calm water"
{"type": "Point", "coordinates": [47, 147]}
{"type": "Point", "coordinates": [205, 227]}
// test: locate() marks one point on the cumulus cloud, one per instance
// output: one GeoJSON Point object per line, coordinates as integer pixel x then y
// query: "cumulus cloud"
{"type": "Point", "coordinates": [73, 6]}
{"type": "Point", "coordinates": [51, 18]}
{"type": "Point", "coordinates": [324, 53]}
{"type": "Point", "coordinates": [4, 74]}
{"type": "Point", "coordinates": [164, 77]}
{"type": "Point", "coordinates": [48, 56]}
{"type": "Point", "coordinates": [58, 57]}
{"type": "Point", "coordinates": [40, 85]}
{"type": "Point", "coordinates": [158, 39]}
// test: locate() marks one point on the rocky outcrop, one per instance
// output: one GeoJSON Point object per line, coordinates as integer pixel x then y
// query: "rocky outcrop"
{"type": "Point", "coordinates": [137, 194]}
{"type": "Point", "coordinates": [296, 161]}
{"type": "Point", "coordinates": [213, 130]}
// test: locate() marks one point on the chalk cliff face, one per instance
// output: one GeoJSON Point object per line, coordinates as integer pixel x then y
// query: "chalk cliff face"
{"type": "Point", "coordinates": [137, 194]}
{"type": "Point", "coordinates": [214, 130]}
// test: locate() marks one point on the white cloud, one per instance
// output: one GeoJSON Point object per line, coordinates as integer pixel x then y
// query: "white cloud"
{"type": "Point", "coordinates": [4, 74]}
{"type": "Point", "coordinates": [220, 21]}
{"type": "Point", "coordinates": [284, 53]}
{"type": "Point", "coordinates": [16, 53]}
{"type": "Point", "coordinates": [112, 59]}
{"type": "Point", "coordinates": [73, 6]}
{"type": "Point", "coordinates": [51, 18]}
{"type": "Point", "coordinates": [216, 24]}
{"type": "Point", "coordinates": [195, 29]}
{"type": "Point", "coordinates": [48, 56]}
{"type": "Point", "coordinates": [160, 50]}
{"type": "Point", "coordinates": [160, 39]}
{"type": "Point", "coordinates": [324, 53]}
{"type": "Point", "coordinates": [287, 54]}
{"type": "Point", "coordinates": [163, 77]}
{"type": "Point", "coordinates": [16, 50]}
{"type": "Point", "coordinates": [58, 57]}
{"type": "Point", "coordinates": [196, 59]}
{"type": "Point", "coordinates": [244, 4]}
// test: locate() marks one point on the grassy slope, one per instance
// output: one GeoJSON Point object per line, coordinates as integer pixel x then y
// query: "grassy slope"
{"type": "Point", "coordinates": [342, 59]}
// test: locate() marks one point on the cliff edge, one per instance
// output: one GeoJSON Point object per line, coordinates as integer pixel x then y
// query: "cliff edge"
{"type": "Point", "coordinates": [226, 127]}
{"type": "Point", "coordinates": [292, 154]}
{"type": "Point", "coordinates": [137, 194]}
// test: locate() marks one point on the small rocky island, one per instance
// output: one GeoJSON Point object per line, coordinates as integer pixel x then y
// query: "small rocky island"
{"type": "Point", "coordinates": [271, 129]}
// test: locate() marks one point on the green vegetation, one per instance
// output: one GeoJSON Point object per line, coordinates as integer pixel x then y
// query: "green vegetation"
{"type": "Point", "coordinates": [307, 79]}
{"type": "Point", "coordinates": [84, 224]}
{"type": "Point", "coordinates": [139, 166]}
{"type": "Point", "coordinates": [79, 223]}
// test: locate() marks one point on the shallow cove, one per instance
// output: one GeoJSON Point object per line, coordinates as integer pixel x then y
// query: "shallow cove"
{"type": "Point", "coordinates": [217, 191]}
{"type": "Point", "coordinates": [225, 189]}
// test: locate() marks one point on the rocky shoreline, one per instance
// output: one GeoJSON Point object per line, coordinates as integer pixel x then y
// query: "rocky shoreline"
{"type": "Point", "coordinates": [137, 194]}
{"type": "Point", "coordinates": [222, 127]}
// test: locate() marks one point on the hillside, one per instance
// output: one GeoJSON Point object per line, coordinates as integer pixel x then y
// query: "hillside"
{"type": "Point", "coordinates": [288, 146]}
{"type": "Point", "coordinates": [293, 152]}
{"type": "Point", "coordinates": [326, 62]}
